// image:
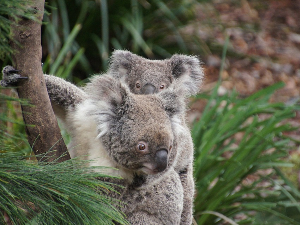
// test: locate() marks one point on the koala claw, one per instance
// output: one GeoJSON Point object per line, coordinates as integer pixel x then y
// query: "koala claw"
{"type": "Point", "coordinates": [10, 76]}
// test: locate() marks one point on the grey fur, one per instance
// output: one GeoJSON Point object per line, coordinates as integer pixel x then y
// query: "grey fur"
{"type": "Point", "coordinates": [110, 121]}
{"type": "Point", "coordinates": [63, 95]}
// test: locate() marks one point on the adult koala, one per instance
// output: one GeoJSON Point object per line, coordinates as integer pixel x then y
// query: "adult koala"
{"type": "Point", "coordinates": [137, 134]}
{"type": "Point", "coordinates": [143, 76]}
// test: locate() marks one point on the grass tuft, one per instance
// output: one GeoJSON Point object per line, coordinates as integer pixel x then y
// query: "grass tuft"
{"type": "Point", "coordinates": [239, 146]}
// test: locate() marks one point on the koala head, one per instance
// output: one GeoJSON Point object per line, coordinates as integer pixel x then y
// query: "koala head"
{"type": "Point", "coordinates": [136, 130]}
{"type": "Point", "coordinates": [145, 76]}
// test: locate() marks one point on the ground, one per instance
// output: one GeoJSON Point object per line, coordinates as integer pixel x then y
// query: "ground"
{"type": "Point", "coordinates": [263, 48]}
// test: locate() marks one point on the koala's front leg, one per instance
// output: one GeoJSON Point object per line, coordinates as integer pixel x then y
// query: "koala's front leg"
{"type": "Point", "coordinates": [64, 95]}
{"type": "Point", "coordinates": [62, 92]}
{"type": "Point", "coordinates": [188, 184]}
{"type": "Point", "coordinates": [11, 77]}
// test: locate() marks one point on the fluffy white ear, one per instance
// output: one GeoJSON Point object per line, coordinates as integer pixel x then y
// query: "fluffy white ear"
{"type": "Point", "coordinates": [108, 89]}
{"type": "Point", "coordinates": [188, 70]}
{"type": "Point", "coordinates": [121, 63]}
{"type": "Point", "coordinates": [106, 97]}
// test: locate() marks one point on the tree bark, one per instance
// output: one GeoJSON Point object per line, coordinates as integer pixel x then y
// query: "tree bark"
{"type": "Point", "coordinates": [44, 136]}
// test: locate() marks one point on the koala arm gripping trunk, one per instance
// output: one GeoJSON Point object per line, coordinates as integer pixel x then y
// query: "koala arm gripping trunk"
{"type": "Point", "coordinates": [63, 95]}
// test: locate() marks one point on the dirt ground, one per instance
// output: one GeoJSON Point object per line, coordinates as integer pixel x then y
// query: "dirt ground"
{"type": "Point", "coordinates": [264, 44]}
{"type": "Point", "coordinates": [264, 48]}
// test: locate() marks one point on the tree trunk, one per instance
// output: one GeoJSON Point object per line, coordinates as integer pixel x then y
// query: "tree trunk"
{"type": "Point", "coordinates": [45, 135]}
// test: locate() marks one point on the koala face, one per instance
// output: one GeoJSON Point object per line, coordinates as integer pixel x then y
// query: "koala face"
{"type": "Point", "coordinates": [151, 77]}
{"type": "Point", "coordinates": [143, 136]}
{"type": "Point", "coordinates": [145, 76]}
{"type": "Point", "coordinates": [136, 130]}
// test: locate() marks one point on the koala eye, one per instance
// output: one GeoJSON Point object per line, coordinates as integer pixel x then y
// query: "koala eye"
{"type": "Point", "coordinates": [162, 86]}
{"type": "Point", "coordinates": [142, 147]}
{"type": "Point", "coordinates": [137, 85]}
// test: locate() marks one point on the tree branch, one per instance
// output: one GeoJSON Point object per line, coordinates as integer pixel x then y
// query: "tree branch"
{"type": "Point", "coordinates": [45, 135]}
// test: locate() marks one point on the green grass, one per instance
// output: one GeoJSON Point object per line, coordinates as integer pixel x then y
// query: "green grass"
{"type": "Point", "coordinates": [12, 128]}
{"type": "Point", "coordinates": [239, 146]}
{"type": "Point", "coordinates": [48, 193]}
{"type": "Point", "coordinates": [148, 29]}
{"type": "Point", "coordinates": [62, 193]}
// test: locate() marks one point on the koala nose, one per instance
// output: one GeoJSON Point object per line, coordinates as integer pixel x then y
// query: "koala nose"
{"type": "Point", "coordinates": [161, 159]}
{"type": "Point", "coordinates": [148, 89]}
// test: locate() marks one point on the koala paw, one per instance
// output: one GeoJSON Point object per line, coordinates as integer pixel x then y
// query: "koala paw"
{"type": "Point", "coordinates": [10, 77]}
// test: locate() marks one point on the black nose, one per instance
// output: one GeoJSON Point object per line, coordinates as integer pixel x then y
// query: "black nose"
{"type": "Point", "coordinates": [161, 160]}
{"type": "Point", "coordinates": [148, 89]}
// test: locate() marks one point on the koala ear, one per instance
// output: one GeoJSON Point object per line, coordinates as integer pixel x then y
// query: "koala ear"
{"type": "Point", "coordinates": [121, 63]}
{"type": "Point", "coordinates": [188, 70]}
{"type": "Point", "coordinates": [106, 95]}
{"type": "Point", "coordinates": [107, 89]}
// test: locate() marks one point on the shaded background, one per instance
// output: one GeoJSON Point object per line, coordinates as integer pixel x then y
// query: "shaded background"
{"type": "Point", "coordinates": [263, 48]}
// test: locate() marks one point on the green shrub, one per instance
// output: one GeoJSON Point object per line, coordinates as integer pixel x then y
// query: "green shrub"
{"type": "Point", "coordinates": [239, 145]}
{"type": "Point", "coordinates": [49, 193]}
{"type": "Point", "coordinates": [62, 193]}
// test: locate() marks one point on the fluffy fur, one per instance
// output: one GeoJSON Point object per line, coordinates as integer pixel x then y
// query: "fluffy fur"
{"type": "Point", "coordinates": [134, 69]}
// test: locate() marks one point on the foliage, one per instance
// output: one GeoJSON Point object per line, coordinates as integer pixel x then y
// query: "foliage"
{"type": "Point", "coordinates": [293, 172]}
{"type": "Point", "coordinates": [62, 193]}
{"type": "Point", "coordinates": [13, 9]}
{"type": "Point", "coordinates": [239, 145]}
{"type": "Point", "coordinates": [51, 193]}
{"type": "Point", "coordinates": [12, 128]}
{"type": "Point", "coordinates": [78, 39]}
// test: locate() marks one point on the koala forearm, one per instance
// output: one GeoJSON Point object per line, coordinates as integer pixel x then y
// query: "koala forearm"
{"type": "Point", "coordinates": [62, 94]}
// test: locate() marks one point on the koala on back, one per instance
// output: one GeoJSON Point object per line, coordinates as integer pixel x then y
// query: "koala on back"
{"type": "Point", "coordinates": [145, 76]}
